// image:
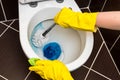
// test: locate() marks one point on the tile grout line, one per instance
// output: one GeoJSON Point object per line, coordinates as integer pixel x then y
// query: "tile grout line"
{"type": "Point", "coordinates": [101, 36]}
{"type": "Point", "coordinates": [89, 9]}
{"type": "Point", "coordinates": [3, 10]}
{"type": "Point", "coordinates": [6, 28]}
{"type": "Point", "coordinates": [89, 3]}
{"type": "Point", "coordinates": [3, 32]}
{"type": "Point", "coordinates": [27, 75]}
{"type": "Point", "coordinates": [84, 8]}
{"type": "Point", "coordinates": [110, 53]}
{"type": "Point", "coordinates": [3, 77]}
{"type": "Point", "coordinates": [10, 20]}
{"type": "Point", "coordinates": [115, 42]}
{"type": "Point", "coordinates": [94, 61]}
{"type": "Point", "coordinates": [14, 29]}
{"type": "Point", "coordinates": [104, 5]}
{"type": "Point", "coordinates": [97, 72]}
{"type": "Point", "coordinates": [113, 60]}
{"type": "Point", "coordinates": [101, 74]}
{"type": "Point", "coordinates": [10, 25]}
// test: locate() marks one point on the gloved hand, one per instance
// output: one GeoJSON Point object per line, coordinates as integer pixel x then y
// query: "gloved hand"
{"type": "Point", "coordinates": [50, 70]}
{"type": "Point", "coordinates": [76, 20]}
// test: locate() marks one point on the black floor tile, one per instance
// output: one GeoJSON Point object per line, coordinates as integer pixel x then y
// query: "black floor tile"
{"type": "Point", "coordinates": [15, 24]}
{"type": "Point", "coordinates": [10, 8]}
{"type": "Point", "coordinates": [109, 36]}
{"type": "Point", "coordinates": [105, 65]}
{"type": "Point", "coordinates": [112, 5]}
{"type": "Point", "coordinates": [1, 14]}
{"type": "Point", "coordinates": [97, 43]}
{"type": "Point", "coordinates": [82, 3]}
{"type": "Point", "coordinates": [96, 5]}
{"type": "Point", "coordinates": [116, 53]}
{"type": "Point", "coordinates": [2, 28]}
{"type": "Point", "coordinates": [80, 73]}
{"type": "Point", "coordinates": [94, 76]}
{"type": "Point", "coordinates": [7, 22]}
{"type": "Point", "coordinates": [13, 62]}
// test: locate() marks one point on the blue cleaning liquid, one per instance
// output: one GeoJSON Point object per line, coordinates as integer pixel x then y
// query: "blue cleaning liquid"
{"type": "Point", "coordinates": [50, 50]}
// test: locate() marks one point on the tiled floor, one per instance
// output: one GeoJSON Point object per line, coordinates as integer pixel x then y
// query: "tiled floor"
{"type": "Point", "coordinates": [112, 37]}
{"type": "Point", "coordinates": [14, 65]}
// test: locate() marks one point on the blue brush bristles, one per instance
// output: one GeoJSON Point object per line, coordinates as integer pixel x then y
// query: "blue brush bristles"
{"type": "Point", "coordinates": [52, 51]}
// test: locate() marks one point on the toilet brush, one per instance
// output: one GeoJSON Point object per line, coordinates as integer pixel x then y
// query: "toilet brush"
{"type": "Point", "coordinates": [48, 30]}
{"type": "Point", "coordinates": [40, 37]}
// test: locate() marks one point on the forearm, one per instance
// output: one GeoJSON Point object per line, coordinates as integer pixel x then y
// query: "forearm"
{"type": "Point", "coordinates": [67, 18]}
{"type": "Point", "coordinates": [109, 20]}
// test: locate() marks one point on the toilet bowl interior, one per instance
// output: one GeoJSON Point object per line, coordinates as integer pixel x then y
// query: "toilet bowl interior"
{"type": "Point", "coordinates": [71, 41]}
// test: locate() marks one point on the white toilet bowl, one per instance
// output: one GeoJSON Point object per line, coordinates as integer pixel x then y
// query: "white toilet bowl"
{"type": "Point", "coordinates": [76, 49]}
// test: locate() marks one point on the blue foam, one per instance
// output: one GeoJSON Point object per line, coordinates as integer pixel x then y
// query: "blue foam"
{"type": "Point", "coordinates": [52, 51]}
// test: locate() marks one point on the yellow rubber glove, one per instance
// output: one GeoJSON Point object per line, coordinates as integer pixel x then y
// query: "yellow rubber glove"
{"type": "Point", "coordinates": [76, 20]}
{"type": "Point", "coordinates": [50, 70]}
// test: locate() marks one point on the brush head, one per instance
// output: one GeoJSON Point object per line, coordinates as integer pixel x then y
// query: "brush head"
{"type": "Point", "coordinates": [52, 51]}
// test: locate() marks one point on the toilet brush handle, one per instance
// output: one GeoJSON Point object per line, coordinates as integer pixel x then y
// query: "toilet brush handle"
{"type": "Point", "coordinates": [48, 30]}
